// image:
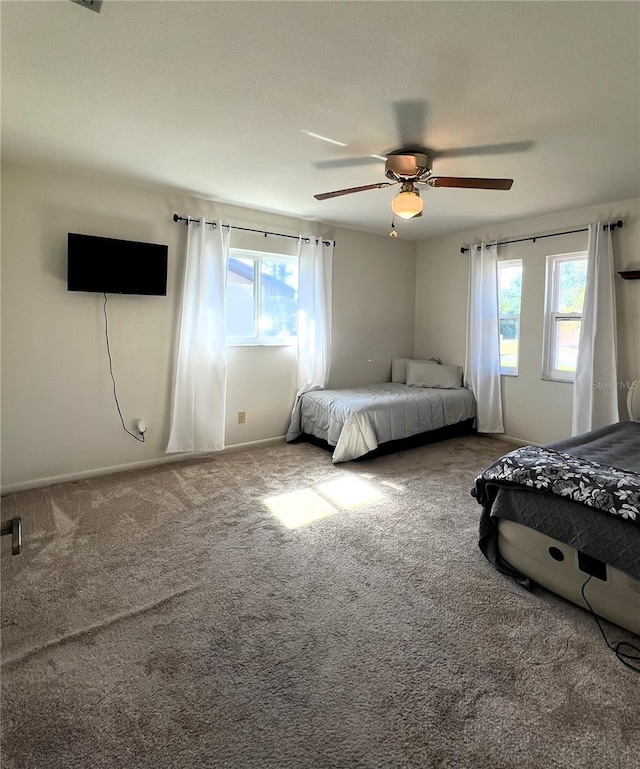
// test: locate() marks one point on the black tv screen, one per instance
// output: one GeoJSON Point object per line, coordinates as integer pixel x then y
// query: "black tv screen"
{"type": "Point", "coordinates": [111, 266]}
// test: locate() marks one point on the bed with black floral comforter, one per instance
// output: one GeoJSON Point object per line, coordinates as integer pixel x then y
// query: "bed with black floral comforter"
{"type": "Point", "coordinates": [583, 491]}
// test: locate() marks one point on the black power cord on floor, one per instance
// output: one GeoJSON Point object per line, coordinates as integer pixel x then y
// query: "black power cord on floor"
{"type": "Point", "coordinates": [140, 437]}
{"type": "Point", "coordinates": [617, 648]}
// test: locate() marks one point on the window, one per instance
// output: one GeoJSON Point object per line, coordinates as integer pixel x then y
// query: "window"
{"type": "Point", "coordinates": [509, 294]}
{"type": "Point", "coordinates": [565, 286]}
{"type": "Point", "coordinates": [262, 298]}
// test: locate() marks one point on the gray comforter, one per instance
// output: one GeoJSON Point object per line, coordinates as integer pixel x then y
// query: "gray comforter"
{"type": "Point", "coordinates": [612, 539]}
{"type": "Point", "coordinates": [356, 420]}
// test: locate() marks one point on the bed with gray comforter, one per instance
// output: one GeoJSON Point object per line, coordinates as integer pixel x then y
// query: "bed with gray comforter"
{"type": "Point", "coordinates": [583, 491]}
{"type": "Point", "coordinates": [356, 420]}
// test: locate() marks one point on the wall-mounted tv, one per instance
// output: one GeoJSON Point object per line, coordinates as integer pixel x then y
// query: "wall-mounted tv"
{"type": "Point", "coordinates": [111, 266]}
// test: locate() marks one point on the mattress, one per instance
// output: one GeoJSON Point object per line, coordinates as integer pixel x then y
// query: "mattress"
{"type": "Point", "coordinates": [356, 420]}
{"type": "Point", "coordinates": [612, 540]}
{"type": "Point", "coordinates": [520, 526]}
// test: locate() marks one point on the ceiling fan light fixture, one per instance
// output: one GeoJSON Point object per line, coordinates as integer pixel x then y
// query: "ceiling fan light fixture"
{"type": "Point", "coordinates": [407, 203]}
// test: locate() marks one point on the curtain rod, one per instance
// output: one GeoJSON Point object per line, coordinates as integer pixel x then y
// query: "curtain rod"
{"type": "Point", "coordinates": [187, 220]}
{"type": "Point", "coordinates": [611, 226]}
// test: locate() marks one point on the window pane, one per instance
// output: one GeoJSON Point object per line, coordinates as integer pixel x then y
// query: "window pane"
{"type": "Point", "coordinates": [509, 294]}
{"type": "Point", "coordinates": [509, 336]}
{"type": "Point", "coordinates": [279, 304]}
{"type": "Point", "coordinates": [240, 302]}
{"type": "Point", "coordinates": [566, 336]}
{"type": "Point", "coordinates": [572, 278]}
{"type": "Point", "coordinates": [510, 288]}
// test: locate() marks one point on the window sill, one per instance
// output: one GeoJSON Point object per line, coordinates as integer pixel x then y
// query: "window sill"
{"type": "Point", "coordinates": [556, 379]}
{"type": "Point", "coordinates": [509, 373]}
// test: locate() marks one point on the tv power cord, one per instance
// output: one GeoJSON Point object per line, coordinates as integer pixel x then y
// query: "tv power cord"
{"type": "Point", "coordinates": [141, 425]}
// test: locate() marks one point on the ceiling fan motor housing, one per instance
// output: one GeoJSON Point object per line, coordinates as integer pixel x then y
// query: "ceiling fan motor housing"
{"type": "Point", "coordinates": [404, 168]}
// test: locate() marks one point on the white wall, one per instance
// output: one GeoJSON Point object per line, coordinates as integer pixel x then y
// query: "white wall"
{"type": "Point", "coordinates": [58, 415]}
{"type": "Point", "coordinates": [373, 307]}
{"type": "Point", "coordinates": [535, 410]}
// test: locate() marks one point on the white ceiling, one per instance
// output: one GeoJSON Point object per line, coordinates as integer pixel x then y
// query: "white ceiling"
{"type": "Point", "coordinates": [215, 98]}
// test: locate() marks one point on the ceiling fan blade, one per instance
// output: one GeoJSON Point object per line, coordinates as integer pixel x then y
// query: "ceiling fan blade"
{"type": "Point", "coordinates": [484, 149]}
{"type": "Point", "coordinates": [348, 162]}
{"type": "Point", "coordinates": [469, 183]}
{"type": "Point", "coordinates": [337, 193]}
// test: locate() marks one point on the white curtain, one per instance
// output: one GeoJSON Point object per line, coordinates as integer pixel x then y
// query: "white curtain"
{"type": "Point", "coordinates": [200, 378]}
{"type": "Point", "coordinates": [482, 364]}
{"type": "Point", "coordinates": [314, 314]}
{"type": "Point", "coordinates": [595, 394]}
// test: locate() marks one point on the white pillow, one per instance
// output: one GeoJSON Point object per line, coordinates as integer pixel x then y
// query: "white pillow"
{"type": "Point", "coordinates": [399, 368]}
{"type": "Point", "coordinates": [440, 376]}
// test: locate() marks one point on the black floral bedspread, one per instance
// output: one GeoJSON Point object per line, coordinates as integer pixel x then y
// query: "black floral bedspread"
{"type": "Point", "coordinates": [608, 489]}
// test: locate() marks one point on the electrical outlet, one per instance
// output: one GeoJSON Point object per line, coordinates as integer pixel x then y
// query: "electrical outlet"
{"type": "Point", "coordinates": [241, 417]}
{"type": "Point", "coordinates": [141, 426]}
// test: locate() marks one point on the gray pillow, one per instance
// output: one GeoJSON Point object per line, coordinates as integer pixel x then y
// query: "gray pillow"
{"type": "Point", "coordinates": [443, 376]}
{"type": "Point", "coordinates": [399, 368]}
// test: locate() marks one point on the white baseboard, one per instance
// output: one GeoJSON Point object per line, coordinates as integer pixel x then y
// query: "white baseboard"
{"type": "Point", "coordinates": [55, 479]}
{"type": "Point", "coordinates": [250, 444]}
{"type": "Point", "coordinates": [517, 441]}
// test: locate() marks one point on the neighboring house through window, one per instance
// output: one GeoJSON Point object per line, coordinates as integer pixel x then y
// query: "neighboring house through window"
{"type": "Point", "coordinates": [509, 296]}
{"type": "Point", "coordinates": [564, 297]}
{"type": "Point", "coordinates": [262, 298]}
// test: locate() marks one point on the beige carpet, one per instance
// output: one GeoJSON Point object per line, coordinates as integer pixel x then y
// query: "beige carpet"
{"type": "Point", "coordinates": [193, 615]}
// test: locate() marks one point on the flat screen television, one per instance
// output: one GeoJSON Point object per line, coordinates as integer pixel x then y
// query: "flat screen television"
{"type": "Point", "coordinates": [111, 266]}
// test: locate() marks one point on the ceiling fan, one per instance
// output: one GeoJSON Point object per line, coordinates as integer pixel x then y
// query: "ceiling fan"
{"type": "Point", "coordinates": [409, 168]}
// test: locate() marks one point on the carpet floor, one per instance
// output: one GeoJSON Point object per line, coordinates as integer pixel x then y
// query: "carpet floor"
{"type": "Point", "coordinates": [264, 609]}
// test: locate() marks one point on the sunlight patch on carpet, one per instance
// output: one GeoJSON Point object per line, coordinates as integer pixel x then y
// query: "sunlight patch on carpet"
{"type": "Point", "coordinates": [299, 508]}
{"type": "Point", "coordinates": [350, 492]}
